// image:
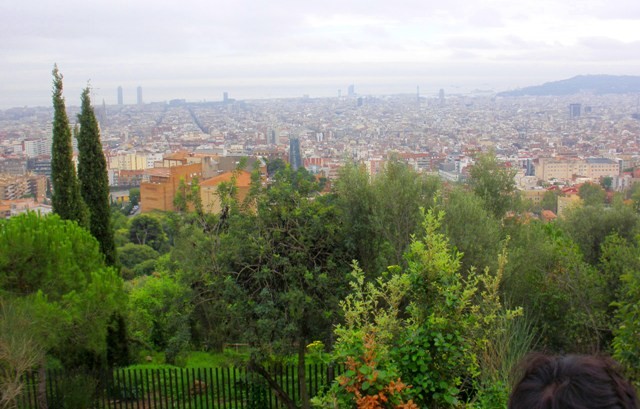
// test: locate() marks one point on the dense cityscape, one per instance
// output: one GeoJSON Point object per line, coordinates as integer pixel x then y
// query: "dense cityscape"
{"type": "Point", "coordinates": [551, 140]}
{"type": "Point", "coordinates": [320, 205]}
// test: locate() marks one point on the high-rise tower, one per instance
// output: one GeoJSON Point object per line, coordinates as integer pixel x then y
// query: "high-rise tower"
{"type": "Point", "coordinates": [120, 99]}
{"type": "Point", "coordinates": [295, 158]}
{"type": "Point", "coordinates": [271, 137]}
{"type": "Point", "coordinates": [575, 110]}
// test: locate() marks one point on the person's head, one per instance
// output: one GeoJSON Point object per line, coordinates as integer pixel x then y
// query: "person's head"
{"type": "Point", "coordinates": [572, 382]}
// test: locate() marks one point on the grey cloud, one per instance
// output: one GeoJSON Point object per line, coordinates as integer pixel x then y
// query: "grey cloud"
{"type": "Point", "coordinates": [463, 55]}
{"type": "Point", "coordinates": [470, 43]}
{"type": "Point", "coordinates": [618, 10]}
{"type": "Point", "coordinates": [607, 49]}
{"type": "Point", "coordinates": [167, 43]}
{"type": "Point", "coordinates": [486, 18]}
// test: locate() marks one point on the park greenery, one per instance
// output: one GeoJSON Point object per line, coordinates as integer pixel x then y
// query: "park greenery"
{"type": "Point", "coordinates": [427, 293]}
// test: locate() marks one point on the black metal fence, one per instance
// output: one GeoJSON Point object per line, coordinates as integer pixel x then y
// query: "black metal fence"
{"type": "Point", "coordinates": [189, 388]}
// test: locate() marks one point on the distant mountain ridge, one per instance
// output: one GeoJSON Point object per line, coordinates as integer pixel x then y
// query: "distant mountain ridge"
{"type": "Point", "coordinates": [598, 84]}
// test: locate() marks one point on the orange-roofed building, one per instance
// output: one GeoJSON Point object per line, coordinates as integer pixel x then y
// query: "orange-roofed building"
{"type": "Point", "coordinates": [548, 215]}
{"type": "Point", "coordinates": [158, 192]}
{"type": "Point", "coordinates": [209, 189]}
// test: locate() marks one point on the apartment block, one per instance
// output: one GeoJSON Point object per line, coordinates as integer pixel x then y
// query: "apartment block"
{"type": "Point", "coordinates": [535, 196]}
{"type": "Point", "coordinates": [127, 161]}
{"type": "Point", "coordinates": [13, 187]}
{"type": "Point", "coordinates": [13, 166]}
{"type": "Point", "coordinates": [568, 169]}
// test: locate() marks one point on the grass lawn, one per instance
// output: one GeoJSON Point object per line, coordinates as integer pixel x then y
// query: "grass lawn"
{"type": "Point", "coordinates": [194, 359]}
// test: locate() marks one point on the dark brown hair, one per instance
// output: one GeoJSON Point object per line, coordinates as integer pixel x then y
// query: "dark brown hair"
{"type": "Point", "coordinates": [572, 382]}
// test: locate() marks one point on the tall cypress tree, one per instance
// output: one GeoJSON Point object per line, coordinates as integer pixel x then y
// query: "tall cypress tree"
{"type": "Point", "coordinates": [66, 199]}
{"type": "Point", "coordinates": [94, 182]}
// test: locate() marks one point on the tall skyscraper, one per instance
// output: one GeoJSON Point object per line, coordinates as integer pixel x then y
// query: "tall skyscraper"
{"type": "Point", "coordinates": [295, 158]}
{"type": "Point", "coordinates": [271, 137]}
{"type": "Point", "coordinates": [120, 98]}
{"type": "Point", "coordinates": [351, 91]}
{"type": "Point", "coordinates": [140, 96]}
{"type": "Point", "coordinates": [574, 110]}
{"type": "Point", "coordinates": [225, 97]}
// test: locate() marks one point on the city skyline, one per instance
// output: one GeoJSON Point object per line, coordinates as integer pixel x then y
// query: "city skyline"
{"type": "Point", "coordinates": [197, 50]}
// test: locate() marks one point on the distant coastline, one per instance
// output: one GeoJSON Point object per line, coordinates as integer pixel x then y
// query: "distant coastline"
{"type": "Point", "coordinates": [597, 84]}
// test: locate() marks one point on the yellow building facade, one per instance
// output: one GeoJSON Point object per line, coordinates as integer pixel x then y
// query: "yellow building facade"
{"type": "Point", "coordinates": [567, 169]}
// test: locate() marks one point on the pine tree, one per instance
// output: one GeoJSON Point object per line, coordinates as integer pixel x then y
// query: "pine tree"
{"type": "Point", "coordinates": [94, 182]}
{"type": "Point", "coordinates": [66, 199]}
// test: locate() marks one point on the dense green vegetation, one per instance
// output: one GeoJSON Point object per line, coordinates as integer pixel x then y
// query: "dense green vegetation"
{"type": "Point", "coordinates": [94, 183]}
{"type": "Point", "coordinates": [428, 293]}
{"type": "Point", "coordinates": [66, 199]}
{"type": "Point", "coordinates": [447, 298]}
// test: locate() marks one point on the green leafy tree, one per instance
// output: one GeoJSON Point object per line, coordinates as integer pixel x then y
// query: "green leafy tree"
{"type": "Point", "coordinates": [180, 198]}
{"type": "Point", "coordinates": [624, 259]}
{"type": "Point", "coordinates": [373, 319]}
{"type": "Point", "coordinates": [619, 263]}
{"type": "Point", "coordinates": [145, 229]}
{"type": "Point", "coordinates": [274, 166]}
{"type": "Point", "coordinates": [188, 197]}
{"type": "Point", "coordinates": [561, 294]}
{"type": "Point", "coordinates": [66, 199]}
{"type": "Point", "coordinates": [493, 182]}
{"type": "Point", "coordinates": [20, 350]}
{"type": "Point", "coordinates": [550, 200]}
{"type": "Point", "coordinates": [94, 181]}
{"type": "Point", "coordinates": [619, 257]}
{"type": "Point", "coordinates": [197, 261]}
{"type": "Point", "coordinates": [433, 329]}
{"type": "Point", "coordinates": [399, 192]}
{"type": "Point", "coordinates": [588, 226]}
{"type": "Point", "coordinates": [443, 314]}
{"type": "Point", "coordinates": [194, 196]}
{"type": "Point", "coordinates": [289, 269]}
{"type": "Point", "coordinates": [159, 313]}
{"type": "Point", "coordinates": [634, 195]}
{"type": "Point", "coordinates": [131, 256]}
{"type": "Point", "coordinates": [472, 230]}
{"type": "Point", "coordinates": [592, 194]}
{"type": "Point", "coordinates": [59, 269]}
{"type": "Point", "coordinates": [134, 196]}
{"type": "Point", "coordinates": [356, 200]}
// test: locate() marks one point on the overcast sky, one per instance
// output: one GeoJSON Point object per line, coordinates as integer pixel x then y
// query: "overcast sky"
{"type": "Point", "coordinates": [195, 49]}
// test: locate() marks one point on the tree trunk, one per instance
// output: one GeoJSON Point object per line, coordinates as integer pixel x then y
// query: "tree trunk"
{"type": "Point", "coordinates": [302, 378]}
{"type": "Point", "coordinates": [282, 395]}
{"type": "Point", "coordinates": [42, 386]}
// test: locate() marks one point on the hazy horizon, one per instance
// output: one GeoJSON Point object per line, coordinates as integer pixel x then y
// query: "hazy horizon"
{"type": "Point", "coordinates": [197, 49]}
{"type": "Point", "coordinates": [240, 93]}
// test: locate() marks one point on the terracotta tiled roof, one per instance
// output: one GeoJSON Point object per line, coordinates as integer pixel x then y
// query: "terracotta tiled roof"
{"type": "Point", "coordinates": [176, 155]}
{"type": "Point", "coordinates": [164, 172]}
{"type": "Point", "coordinates": [243, 179]}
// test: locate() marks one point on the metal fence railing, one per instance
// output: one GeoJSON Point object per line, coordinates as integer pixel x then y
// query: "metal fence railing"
{"type": "Point", "coordinates": [189, 388]}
